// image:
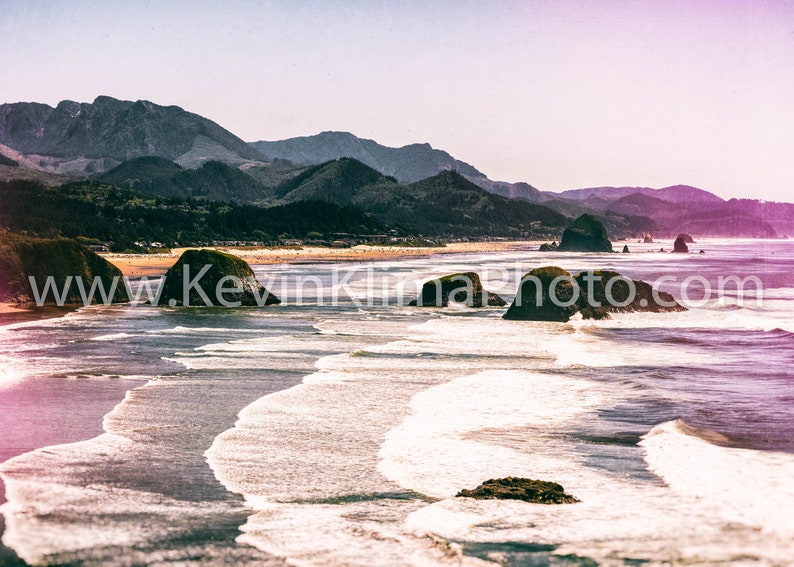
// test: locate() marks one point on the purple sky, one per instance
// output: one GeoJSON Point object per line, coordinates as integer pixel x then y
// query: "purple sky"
{"type": "Point", "coordinates": [559, 94]}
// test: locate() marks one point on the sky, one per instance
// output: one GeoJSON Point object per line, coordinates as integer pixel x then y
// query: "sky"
{"type": "Point", "coordinates": [560, 94]}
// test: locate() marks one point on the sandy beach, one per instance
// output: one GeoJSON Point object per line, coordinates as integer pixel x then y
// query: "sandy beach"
{"type": "Point", "coordinates": [156, 264]}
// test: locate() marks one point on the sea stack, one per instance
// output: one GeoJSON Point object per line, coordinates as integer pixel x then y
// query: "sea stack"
{"type": "Point", "coordinates": [533, 301]}
{"type": "Point", "coordinates": [680, 246]}
{"type": "Point", "coordinates": [65, 261]}
{"type": "Point", "coordinates": [209, 277]}
{"type": "Point", "coordinates": [594, 294]}
{"type": "Point", "coordinates": [586, 234]}
{"type": "Point", "coordinates": [460, 288]}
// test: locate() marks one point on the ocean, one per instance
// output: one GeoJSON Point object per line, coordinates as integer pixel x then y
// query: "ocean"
{"type": "Point", "coordinates": [336, 428]}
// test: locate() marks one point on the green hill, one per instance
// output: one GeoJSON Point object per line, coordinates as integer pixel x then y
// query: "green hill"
{"type": "Point", "coordinates": [445, 204]}
{"type": "Point", "coordinates": [140, 172]}
{"type": "Point", "coordinates": [336, 181]}
{"type": "Point", "coordinates": [213, 181]}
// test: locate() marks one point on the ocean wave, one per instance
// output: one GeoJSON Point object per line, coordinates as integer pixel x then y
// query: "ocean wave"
{"type": "Point", "coordinates": [741, 485]}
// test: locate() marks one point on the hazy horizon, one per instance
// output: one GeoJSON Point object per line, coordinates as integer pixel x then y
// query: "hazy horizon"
{"type": "Point", "coordinates": [560, 95]}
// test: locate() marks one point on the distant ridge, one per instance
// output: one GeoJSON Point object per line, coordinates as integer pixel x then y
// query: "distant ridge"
{"type": "Point", "coordinates": [78, 137]}
{"type": "Point", "coordinates": [407, 164]}
{"type": "Point", "coordinates": [674, 194]}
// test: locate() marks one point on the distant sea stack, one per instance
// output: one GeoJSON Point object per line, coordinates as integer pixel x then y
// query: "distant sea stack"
{"type": "Point", "coordinates": [679, 246]}
{"type": "Point", "coordinates": [586, 234]}
{"type": "Point", "coordinates": [460, 288]}
{"type": "Point", "coordinates": [209, 278]}
{"type": "Point", "coordinates": [67, 263]}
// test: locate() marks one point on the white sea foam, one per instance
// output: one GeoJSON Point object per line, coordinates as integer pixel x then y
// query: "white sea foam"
{"type": "Point", "coordinates": [112, 337]}
{"type": "Point", "coordinates": [50, 513]}
{"type": "Point", "coordinates": [429, 452]}
{"type": "Point", "coordinates": [750, 487]}
{"type": "Point", "coordinates": [720, 505]}
{"type": "Point", "coordinates": [11, 371]}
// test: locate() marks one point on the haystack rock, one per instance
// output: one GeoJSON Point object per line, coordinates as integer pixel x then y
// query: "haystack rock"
{"type": "Point", "coordinates": [586, 234]}
{"type": "Point", "coordinates": [680, 245]}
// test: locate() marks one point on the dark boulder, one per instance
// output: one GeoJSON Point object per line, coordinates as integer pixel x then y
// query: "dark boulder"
{"type": "Point", "coordinates": [223, 279]}
{"type": "Point", "coordinates": [69, 264]}
{"type": "Point", "coordinates": [680, 246]}
{"type": "Point", "coordinates": [586, 234]}
{"type": "Point", "coordinates": [596, 294]}
{"type": "Point", "coordinates": [533, 301]}
{"type": "Point", "coordinates": [548, 247]}
{"type": "Point", "coordinates": [459, 288]}
{"type": "Point", "coordinates": [626, 249]}
{"type": "Point", "coordinates": [526, 489]}
{"type": "Point", "coordinates": [598, 297]}
{"type": "Point", "coordinates": [688, 239]}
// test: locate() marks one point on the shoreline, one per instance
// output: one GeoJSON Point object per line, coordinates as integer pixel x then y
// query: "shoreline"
{"type": "Point", "coordinates": [138, 265]}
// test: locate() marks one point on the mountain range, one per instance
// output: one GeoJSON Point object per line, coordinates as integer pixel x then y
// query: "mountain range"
{"type": "Point", "coordinates": [167, 151]}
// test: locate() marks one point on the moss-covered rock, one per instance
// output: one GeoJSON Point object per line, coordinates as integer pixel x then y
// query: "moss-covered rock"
{"type": "Point", "coordinates": [209, 277]}
{"type": "Point", "coordinates": [533, 301]}
{"type": "Point", "coordinates": [526, 489]}
{"type": "Point", "coordinates": [594, 294]}
{"type": "Point", "coordinates": [586, 234]}
{"type": "Point", "coordinates": [71, 269]}
{"type": "Point", "coordinates": [598, 297]}
{"type": "Point", "coordinates": [460, 288]}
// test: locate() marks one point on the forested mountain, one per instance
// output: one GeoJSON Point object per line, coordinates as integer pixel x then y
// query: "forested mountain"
{"type": "Point", "coordinates": [445, 204]}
